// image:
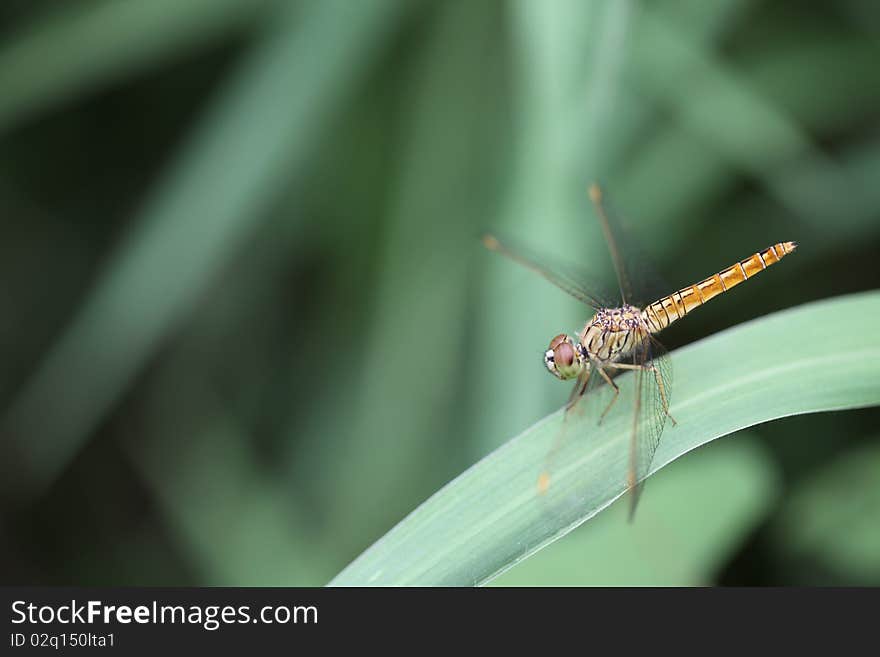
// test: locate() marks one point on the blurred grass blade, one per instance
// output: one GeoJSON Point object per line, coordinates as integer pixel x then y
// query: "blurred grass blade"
{"type": "Point", "coordinates": [491, 516]}
{"type": "Point", "coordinates": [828, 531]}
{"type": "Point", "coordinates": [255, 137]}
{"type": "Point", "coordinates": [88, 44]}
{"type": "Point", "coordinates": [759, 136]}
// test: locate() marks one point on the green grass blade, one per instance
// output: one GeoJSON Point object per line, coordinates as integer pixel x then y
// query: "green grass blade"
{"type": "Point", "coordinates": [253, 139]}
{"type": "Point", "coordinates": [90, 44]}
{"type": "Point", "coordinates": [818, 357]}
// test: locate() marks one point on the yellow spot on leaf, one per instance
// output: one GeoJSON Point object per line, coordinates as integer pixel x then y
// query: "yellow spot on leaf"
{"type": "Point", "coordinates": [543, 483]}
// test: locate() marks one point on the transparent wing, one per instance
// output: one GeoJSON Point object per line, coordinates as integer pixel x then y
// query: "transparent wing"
{"type": "Point", "coordinates": [653, 384]}
{"type": "Point", "coordinates": [568, 278]}
{"type": "Point", "coordinates": [612, 240]}
{"type": "Point", "coordinates": [638, 279]}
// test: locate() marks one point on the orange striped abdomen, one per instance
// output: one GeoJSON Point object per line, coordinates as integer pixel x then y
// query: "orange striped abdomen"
{"type": "Point", "coordinates": [663, 312]}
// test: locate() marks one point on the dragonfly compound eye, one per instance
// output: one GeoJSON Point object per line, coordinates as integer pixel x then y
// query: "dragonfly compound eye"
{"type": "Point", "coordinates": [562, 359]}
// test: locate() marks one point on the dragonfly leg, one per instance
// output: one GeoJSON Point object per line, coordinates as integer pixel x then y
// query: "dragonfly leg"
{"type": "Point", "coordinates": [657, 377]}
{"type": "Point", "coordinates": [580, 387]}
{"type": "Point", "coordinates": [610, 382]}
{"type": "Point", "coordinates": [662, 389]}
{"type": "Point", "coordinates": [577, 393]}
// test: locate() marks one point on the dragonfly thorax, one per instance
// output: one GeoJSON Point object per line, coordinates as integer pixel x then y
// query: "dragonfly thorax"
{"type": "Point", "coordinates": [617, 320]}
{"type": "Point", "coordinates": [613, 333]}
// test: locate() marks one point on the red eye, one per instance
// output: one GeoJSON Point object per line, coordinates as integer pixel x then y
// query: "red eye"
{"type": "Point", "coordinates": [563, 354]}
{"type": "Point", "coordinates": [555, 342]}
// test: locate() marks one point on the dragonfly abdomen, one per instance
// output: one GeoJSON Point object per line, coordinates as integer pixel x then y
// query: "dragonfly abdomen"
{"type": "Point", "coordinates": [663, 312]}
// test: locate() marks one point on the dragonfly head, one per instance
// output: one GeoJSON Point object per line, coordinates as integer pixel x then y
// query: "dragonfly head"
{"type": "Point", "coordinates": [565, 357]}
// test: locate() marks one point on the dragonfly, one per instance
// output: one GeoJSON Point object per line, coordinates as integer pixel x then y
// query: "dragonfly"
{"type": "Point", "coordinates": [622, 338]}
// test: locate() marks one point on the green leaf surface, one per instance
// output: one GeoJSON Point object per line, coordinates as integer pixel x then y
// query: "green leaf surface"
{"type": "Point", "coordinates": [697, 514]}
{"type": "Point", "coordinates": [818, 357]}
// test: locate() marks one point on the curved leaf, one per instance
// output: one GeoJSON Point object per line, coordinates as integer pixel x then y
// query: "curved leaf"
{"type": "Point", "coordinates": [818, 357]}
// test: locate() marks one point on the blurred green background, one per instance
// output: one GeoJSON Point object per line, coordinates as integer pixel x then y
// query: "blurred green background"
{"type": "Point", "coordinates": [247, 323]}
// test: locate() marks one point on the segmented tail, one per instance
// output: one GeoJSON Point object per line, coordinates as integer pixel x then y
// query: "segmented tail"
{"type": "Point", "coordinates": [663, 312]}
